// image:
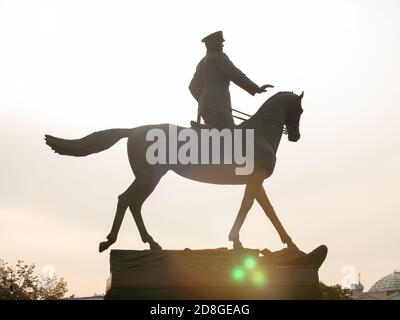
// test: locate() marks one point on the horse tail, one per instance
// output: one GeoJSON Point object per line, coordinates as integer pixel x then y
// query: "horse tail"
{"type": "Point", "coordinates": [92, 143]}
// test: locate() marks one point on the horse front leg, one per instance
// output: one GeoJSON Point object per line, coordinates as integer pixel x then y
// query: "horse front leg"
{"type": "Point", "coordinates": [264, 202]}
{"type": "Point", "coordinates": [250, 194]}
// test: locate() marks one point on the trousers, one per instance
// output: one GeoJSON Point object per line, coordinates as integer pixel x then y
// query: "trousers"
{"type": "Point", "coordinates": [217, 117]}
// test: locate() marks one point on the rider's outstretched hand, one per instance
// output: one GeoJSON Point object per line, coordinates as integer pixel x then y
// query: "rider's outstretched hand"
{"type": "Point", "coordinates": [264, 88]}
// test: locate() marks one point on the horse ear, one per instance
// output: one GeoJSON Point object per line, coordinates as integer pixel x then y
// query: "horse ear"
{"type": "Point", "coordinates": [301, 96]}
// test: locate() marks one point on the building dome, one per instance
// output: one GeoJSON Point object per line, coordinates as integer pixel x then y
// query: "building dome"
{"type": "Point", "coordinates": [390, 283]}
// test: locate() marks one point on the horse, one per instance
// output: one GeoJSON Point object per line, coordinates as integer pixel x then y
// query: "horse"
{"type": "Point", "coordinates": [280, 114]}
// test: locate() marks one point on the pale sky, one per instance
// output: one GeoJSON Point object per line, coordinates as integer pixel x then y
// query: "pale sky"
{"type": "Point", "coordinates": [69, 68]}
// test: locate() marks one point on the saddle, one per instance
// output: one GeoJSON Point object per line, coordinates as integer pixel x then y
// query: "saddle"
{"type": "Point", "coordinates": [197, 125]}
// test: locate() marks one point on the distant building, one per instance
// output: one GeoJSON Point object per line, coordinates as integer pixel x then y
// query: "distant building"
{"type": "Point", "coordinates": [357, 288]}
{"type": "Point", "coordinates": [387, 288]}
{"type": "Point", "coordinates": [94, 297]}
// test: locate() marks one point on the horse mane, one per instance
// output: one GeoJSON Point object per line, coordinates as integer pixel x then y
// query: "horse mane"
{"type": "Point", "coordinates": [271, 101]}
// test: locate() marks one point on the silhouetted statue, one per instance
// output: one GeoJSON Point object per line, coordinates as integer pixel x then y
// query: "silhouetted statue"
{"type": "Point", "coordinates": [282, 109]}
{"type": "Point", "coordinates": [210, 84]}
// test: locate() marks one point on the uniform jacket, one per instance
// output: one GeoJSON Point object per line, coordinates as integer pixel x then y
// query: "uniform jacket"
{"type": "Point", "coordinates": [210, 83]}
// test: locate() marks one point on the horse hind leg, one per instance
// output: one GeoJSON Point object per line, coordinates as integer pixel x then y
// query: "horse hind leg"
{"type": "Point", "coordinates": [143, 187]}
{"type": "Point", "coordinates": [122, 206]}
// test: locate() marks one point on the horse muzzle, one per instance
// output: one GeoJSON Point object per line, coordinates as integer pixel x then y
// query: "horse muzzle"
{"type": "Point", "coordinates": [293, 137]}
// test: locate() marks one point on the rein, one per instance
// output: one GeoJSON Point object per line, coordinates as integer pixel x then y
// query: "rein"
{"type": "Point", "coordinates": [286, 129]}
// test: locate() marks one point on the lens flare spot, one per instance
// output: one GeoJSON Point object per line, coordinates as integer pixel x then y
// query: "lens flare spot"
{"type": "Point", "coordinates": [258, 278]}
{"type": "Point", "coordinates": [238, 274]}
{"type": "Point", "coordinates": [250, 262]}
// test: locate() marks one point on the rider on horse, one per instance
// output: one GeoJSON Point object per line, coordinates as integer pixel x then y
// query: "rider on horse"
{"type": "Point", "coordinates": [210, 84]}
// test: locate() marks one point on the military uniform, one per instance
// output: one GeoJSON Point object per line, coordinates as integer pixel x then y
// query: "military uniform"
{"type": "Point", "coordinates": [210, 87]}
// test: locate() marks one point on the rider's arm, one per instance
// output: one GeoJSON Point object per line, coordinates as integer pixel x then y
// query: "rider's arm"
{"type": "Point", "coordinates": [236, 76]}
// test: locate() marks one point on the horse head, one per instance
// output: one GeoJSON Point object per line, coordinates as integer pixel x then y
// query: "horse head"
{"type": "Point", "coordinates": [293, 115]}
{"type": "Point", "coordinates": [282, 111]}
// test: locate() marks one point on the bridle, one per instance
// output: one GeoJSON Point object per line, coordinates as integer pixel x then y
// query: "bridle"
{"type": "Point", "coordinates": [285, 128]}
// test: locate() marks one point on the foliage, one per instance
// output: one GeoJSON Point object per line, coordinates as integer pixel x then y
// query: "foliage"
{"type": "Point", "coordinates": [335, 292]}
{"type": "Point", "coordinates": [21, 283]}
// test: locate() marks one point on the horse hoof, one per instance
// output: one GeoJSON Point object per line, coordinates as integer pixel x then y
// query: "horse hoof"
{"type": "Point", "coordinates": [237, 245]}
{"type": "Point", "coordinates": [292, 246]}
{"type": "Point", "coordinates": [104, 245]}
{"type": "Point", "coordinates": [155, 246]}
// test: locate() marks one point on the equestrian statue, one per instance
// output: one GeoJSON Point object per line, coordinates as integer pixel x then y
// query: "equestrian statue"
{"type": "Point", "coordinates": [279, 115]}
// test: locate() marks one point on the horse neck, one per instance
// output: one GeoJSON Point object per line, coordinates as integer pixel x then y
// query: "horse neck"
{"type": "Point", "coordinates": [268, 123]}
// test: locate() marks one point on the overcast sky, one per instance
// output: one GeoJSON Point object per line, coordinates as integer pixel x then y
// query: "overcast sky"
{"type": "Point", "coordinates": [69, 68]}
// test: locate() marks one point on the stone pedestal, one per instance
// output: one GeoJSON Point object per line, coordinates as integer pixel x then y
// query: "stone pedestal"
{"type": "Point", "coordinates": [206, 274]}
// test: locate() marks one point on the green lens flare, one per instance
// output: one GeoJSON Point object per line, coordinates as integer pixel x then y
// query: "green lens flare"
{"type": "Point", "coordinates": [258, 278]}
{"type": "Point", "coordinates": [238, 274]}
{"type": "Point", "coordinates": [250, 262]}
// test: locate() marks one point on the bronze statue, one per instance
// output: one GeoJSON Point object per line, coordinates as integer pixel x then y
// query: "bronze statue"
{"type": "Point", "coordinates": [281, 110]}
{"type": "Point", "coordinates": [210, 84]}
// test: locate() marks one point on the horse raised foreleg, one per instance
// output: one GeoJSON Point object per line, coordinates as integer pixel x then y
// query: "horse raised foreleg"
{"type": "Point", "coordinates": [252, 188]}
{"type": "Point", "coordinates": [263, 200]}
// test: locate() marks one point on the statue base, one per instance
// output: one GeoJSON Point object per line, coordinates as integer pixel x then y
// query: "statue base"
{"type": "Point", "coordinates": [217, 274]}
